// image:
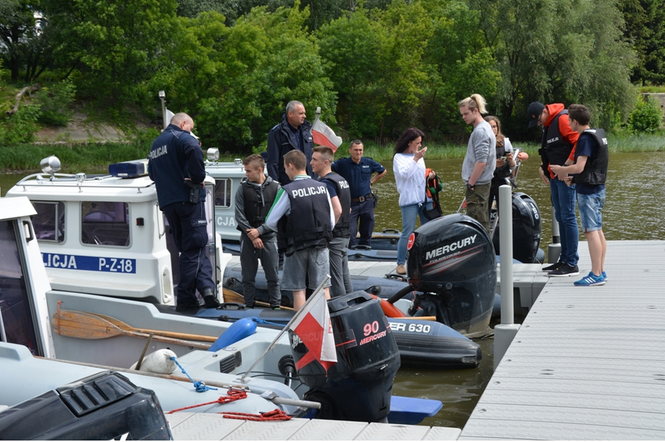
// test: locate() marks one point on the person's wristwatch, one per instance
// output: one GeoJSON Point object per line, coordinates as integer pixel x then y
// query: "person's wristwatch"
{"type": "Point", "coordinates": [469, 186]}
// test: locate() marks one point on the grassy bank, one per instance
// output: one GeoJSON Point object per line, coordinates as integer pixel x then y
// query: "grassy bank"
{"type": "Point", "coordinates": [90, 156]}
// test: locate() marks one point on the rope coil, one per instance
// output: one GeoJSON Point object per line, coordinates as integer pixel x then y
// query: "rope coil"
{"type": "Point", "coordinates": [274, 415]}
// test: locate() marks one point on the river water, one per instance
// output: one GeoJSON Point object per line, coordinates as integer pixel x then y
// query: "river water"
{"type": "Point", "coordinates": [633, 211]}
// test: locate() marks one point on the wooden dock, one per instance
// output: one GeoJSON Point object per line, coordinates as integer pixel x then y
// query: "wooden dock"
{"type": "Point", "coordinates": [206, 426]}
{"type": "Point", "coordinates": [587, 362]}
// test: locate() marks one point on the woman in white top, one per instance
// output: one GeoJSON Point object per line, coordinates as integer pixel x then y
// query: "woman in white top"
{"type": "Point", "coordinates": [409, 170]}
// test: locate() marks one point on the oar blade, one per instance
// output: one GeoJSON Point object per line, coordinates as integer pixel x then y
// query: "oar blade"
{"type": "Point", "coordinates": [83, 326]}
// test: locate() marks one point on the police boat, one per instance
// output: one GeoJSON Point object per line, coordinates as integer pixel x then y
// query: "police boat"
{"type": "Point", "coordinates": [100, 351]}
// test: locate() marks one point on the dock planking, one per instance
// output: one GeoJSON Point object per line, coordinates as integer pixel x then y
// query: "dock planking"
{"type": "Point", "coordinates": [587, 362]}
{"type": "Point", "coordinates": [206, 426]}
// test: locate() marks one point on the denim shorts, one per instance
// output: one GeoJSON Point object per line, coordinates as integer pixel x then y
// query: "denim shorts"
{"type": "Point", "coordinates": [590, 207]}
{"type": "Point", "coordinates": [306, 267]}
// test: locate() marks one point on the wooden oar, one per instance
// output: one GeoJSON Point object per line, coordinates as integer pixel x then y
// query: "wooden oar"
{"type": "Point", "coordinates": [233, 296]}
{"type": "Point", "coordinates": [178, 335]}
{"type": "Point", "coordinates": [87, 326]}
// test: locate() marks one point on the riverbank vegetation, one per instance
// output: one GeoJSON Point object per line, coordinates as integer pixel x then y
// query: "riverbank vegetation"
{"type": "Point", "coordinates": [374, 67]}
{"type": "Point", "coordinates": [97, 156]}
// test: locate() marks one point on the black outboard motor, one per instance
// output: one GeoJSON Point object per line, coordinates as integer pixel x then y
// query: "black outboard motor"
{"type": "Point", "coordinates": [104, 406]}
{"type": "Point", "coordinates": [526, 229]}
{"type": "Point", "coordinates": [452, 260]}
{"type": "Point", "coordinates": [359, 386]}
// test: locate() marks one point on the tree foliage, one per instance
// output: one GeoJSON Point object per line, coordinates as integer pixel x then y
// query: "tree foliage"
{"type": "Point", "coordinates": [236, 81]}
{"type": "Point", "coordinates": [375, 67]}
{"type": "Point", "coordinates": [23, 46]}
{"type": "Point", "coordinates": [645, 31]}
{"type": "Point", "coordinates": [110, 46]}
{"type": "Point", "coordinates": [558, 51]}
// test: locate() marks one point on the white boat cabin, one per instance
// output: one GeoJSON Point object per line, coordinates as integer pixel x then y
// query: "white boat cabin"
{"type": "Point", "coordinates": [92, 228]}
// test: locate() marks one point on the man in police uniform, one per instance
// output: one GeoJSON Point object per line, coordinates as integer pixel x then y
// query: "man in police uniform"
{"type": "Point", "coordinates": [358, 170]}
{"type": "Point", "coordinates": [175, 164]}
{"type": "Point", "coordinates": [340, 196]}
{"type": "Point", "coordinates": [254, 198]}
{"type": "Point", "coordinates": [293, 133]}
{"type": "Point", "coordinates": [306, 218]}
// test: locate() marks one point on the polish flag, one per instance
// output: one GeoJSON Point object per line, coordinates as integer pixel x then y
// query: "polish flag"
{"type": "Point", "coordinates": [325, 136]}
{"type": "Point", "coordinates": [312, 325]}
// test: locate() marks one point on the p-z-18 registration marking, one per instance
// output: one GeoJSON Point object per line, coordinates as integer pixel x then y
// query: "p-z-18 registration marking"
{"type": "Point", "coordinates": [91, 263]}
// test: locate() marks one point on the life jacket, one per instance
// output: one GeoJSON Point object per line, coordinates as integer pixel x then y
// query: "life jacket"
{"type": "Point", "coordinates": [308, 223]}
{"type": "Point", "coordinates": [344, 194]}
{"type": "Point", "coordinates": [554, 149]}
{"type": "Point", "coordinates": [504, 171]}
{"type": "Point", "coordinates": [258, 201]}
{"type": "Point", "coordinates": [595, 169]}
{"type": "Point", "coordinates": [434, 185]}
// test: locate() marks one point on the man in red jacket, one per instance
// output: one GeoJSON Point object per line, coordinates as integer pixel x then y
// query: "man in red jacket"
{"type": "Point", "coordinates": [558, 148]}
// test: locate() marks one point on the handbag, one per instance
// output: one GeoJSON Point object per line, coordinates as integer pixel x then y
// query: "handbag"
{"type": "Point", "coordinates": [434, 186]}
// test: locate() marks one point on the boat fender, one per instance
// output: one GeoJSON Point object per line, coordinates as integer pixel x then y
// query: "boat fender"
{"type": "Point", "coordinates": [160, 362]}
{"type": "Point", "coordinates": [237, 331]}
{"type": "Point", "coordinates": [389, 309]}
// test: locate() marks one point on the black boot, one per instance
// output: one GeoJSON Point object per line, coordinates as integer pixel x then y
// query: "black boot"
{"type": "Point", "coordinates": [209, 299]}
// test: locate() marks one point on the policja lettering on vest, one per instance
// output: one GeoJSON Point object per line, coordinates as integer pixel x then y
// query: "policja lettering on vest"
{"type": "Point", "coordinates": [307, 191]}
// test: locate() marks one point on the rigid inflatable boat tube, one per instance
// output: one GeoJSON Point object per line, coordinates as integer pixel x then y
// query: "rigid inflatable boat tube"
{"type": "Point", "coordinates": [238, 330]}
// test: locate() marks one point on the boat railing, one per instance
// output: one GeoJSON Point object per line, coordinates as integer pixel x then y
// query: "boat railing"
{"type": "Point", "coordinates": [80, 180]}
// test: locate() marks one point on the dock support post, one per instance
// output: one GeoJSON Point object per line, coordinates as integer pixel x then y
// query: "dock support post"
{"type": "Point", "coordinates": [506, 331]}
{"type": "Point", "coordinates": [554, 249]}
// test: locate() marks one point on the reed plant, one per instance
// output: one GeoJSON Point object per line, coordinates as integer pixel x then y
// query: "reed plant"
{"type": "Point", "coordinates": [88, 157]}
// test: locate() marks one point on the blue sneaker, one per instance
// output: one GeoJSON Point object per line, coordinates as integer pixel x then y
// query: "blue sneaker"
{"type": "Point", "coordinates": [604, 275]}
{"type": "Point", "coordinates": [590, 280]}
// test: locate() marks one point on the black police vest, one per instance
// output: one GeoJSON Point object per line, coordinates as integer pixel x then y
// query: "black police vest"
{"type": "Point", "coordinates": [344, 195]}
{"type": "Point", "coordinates": [308, 224]}
{"type": "Point", "coordinates": [595, 169]}
{"type": "Point", "coordinates": [257, 202]}
{"type": "Point", "coordinates": [554, 149]}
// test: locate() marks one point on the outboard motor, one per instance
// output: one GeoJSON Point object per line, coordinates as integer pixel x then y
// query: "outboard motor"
{"type": "Point", "coordinates": [526, 229]}
{"type": "Point", "coordinates": [452, 260]}
{"type": "Point", "coordinates": [359, 386]}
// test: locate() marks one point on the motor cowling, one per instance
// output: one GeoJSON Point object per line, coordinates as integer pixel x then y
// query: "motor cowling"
{"type": "Point", "coordinates": [452, 260]}
{"type": "Point", "coordinates": [526, 229]}
{"type": "Point", "coordinates": [359, 386]}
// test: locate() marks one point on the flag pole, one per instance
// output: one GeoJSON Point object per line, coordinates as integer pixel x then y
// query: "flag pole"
{"type": "Point", "coordinates": [286, 327]}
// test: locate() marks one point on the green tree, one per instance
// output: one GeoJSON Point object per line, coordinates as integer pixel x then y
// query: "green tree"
{"type": "Point", "coordinates": [375, 61]}
{"type": "Point", "coordinates": [110, 46]}
{"type": "Point", "coordinates": [645, 30]}
{"type": "Point", "coordinates": [236, 81]}
{"type": "Point", "coordinates": [558, 51]}
{"type": "Point", "coordinates": [459, 64]}
{"type": "Point", "coordinates": [22, 40]}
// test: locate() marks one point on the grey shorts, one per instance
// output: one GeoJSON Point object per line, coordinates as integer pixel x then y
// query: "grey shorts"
{"type": "Point", "coordinates": [312, 262]}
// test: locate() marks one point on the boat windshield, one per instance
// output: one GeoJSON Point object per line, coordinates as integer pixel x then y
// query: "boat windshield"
{"type": "Point", "coordinates": [105, 223]}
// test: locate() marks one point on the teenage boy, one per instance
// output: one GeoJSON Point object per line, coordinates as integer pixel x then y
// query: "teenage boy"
{"type": "Point", "coordinates": [254, 198]}
{"type": "Point", "coordinates": [340, 197]}
{"type": "Point", "coordinates": [306, 218]}
{"type": "Point", "coordinates": [589, 173]}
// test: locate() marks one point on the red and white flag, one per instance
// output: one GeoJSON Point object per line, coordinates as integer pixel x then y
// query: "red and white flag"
{"type": "Point", "coordinates": [312, 325]}
{"type": "Point", "coordinates": [325, 136]}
